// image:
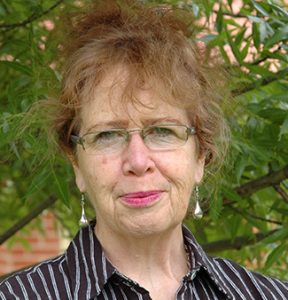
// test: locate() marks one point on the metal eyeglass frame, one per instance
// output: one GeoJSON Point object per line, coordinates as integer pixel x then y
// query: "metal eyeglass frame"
{"type": "Point", "coordinates": [80, 139]}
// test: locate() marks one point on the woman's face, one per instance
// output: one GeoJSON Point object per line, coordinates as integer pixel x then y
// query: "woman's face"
{"type": "Point", "coordinates": [136, 191]}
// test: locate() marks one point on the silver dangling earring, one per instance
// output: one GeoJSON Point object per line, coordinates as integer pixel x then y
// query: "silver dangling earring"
{"type": "Point", "coordinates": [83, 220]}
{"type": "Point", "coordinates": [198, 213]}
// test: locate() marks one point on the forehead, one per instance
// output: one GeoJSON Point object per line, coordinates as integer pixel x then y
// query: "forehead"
{"type": "Point", "coordinates": [108, 102]}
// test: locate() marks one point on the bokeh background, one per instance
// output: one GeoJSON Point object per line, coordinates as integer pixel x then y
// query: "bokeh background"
{"type": "Point", "coordinates": [246, 204]}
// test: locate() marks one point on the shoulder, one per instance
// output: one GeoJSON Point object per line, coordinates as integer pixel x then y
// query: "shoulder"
{"type": "Point", "coordinates": [241, 280]}
{"type": "Point", "coordinates": [41, 281]}
{"type": "Point", "coordinates": [236, 281]}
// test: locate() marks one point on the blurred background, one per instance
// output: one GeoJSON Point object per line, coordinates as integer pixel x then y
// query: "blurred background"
{"type": "Point", "coordinates": [246, 204]}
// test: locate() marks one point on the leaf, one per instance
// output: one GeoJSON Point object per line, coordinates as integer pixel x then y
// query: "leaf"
{"type": "Point", "coordinates": [255, 19]}
{"type": "Point", "coordinates": [195, 9]}
{"type": "Point", "coordinates": [279, 9]}
{"type": "Point", "coordinates": [230, 194]}
{"type": "Point", "coordinates": [244, 52]}
{"type": "Point", "coordinates": [219, 20]}
{"type": "Point", "coordinates": [38, 181]}
{"type": "Point", "coordinates": [216, 206]}
{"type": "Point", "coordinates": [230, 4]}
{"type": "Point", "coordinates": [234, 47]}
{"type": "Point", "coordinates": [275, 55]}
{"type": "Point", "coordinates": [225, 56]}
{"type": "Point", "coordinates": [26, 245]}
{"type": "Point", "coordinates": [15, 149]}
{"type": "Point", "coordinates": [254, 222]}
{"type": "Point", "coordinates": [208, 38]}
{"type": "Point", "coordinates": [260, 70]}
{"type": "Point", "coordinates": [284, 128]}
{"type": "Point", "coordinates": [275, 254]}
{"type": "Point", "coordinates": [260, 8]}
{"type": "Point", "coordinates": [269, 31]}
{"type": "Point", "coordinates": [234, 225]}
{"type": "Point", "coordinates": [277, 236]}
{"type": "Point", "coordinates": [61, 188]}
{"type": "Point", "coordinates": [275, 115]}
{"type": "Point", "coordinates": [17, 66]}
{"type": "Point", "coordinates": [280, 35]}
{"type": "Point", "coordinates": [282, 211]}
{"type": "Point", "coordinates": [263, 31]}
{"type": "Point", "coordinates": [239, 37]}
{"type": "Point", "coordinates": [207, 7]}
{"type": "Point", "coordinates": [234, 24]}
{"type": "Point", "coordinates": [240, 167]}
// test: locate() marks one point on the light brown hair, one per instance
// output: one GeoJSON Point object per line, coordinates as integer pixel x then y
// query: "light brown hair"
{"type": "Point", "coordinates": [157, 46]}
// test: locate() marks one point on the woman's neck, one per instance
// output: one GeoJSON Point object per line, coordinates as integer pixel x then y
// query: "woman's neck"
{"type": "Point", "coordinates": [147, 260]}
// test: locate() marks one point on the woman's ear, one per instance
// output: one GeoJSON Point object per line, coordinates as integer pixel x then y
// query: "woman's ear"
{"type": "Point", "coordinates": [79, 178]}
{"type": "Point", "coordinates": [199, 171]}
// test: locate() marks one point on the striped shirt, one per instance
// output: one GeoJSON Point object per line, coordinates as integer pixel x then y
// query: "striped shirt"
{"type": "Point", "coordinates": [83, 272]}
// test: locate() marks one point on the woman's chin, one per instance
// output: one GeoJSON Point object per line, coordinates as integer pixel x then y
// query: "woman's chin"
{"type": "Point", "coordinates": [144, 226]}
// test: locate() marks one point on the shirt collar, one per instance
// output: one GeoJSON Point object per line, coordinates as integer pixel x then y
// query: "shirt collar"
{"type": "Point", "coordinates": [87, 262]}
{"type": "Point", "coordinates": [205, 262]}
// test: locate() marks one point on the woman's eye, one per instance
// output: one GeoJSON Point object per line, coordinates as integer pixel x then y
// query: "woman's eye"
{"type": "Point", "coordinates": [162, 131]}
{"type": "Point", "coordinates": [104, 137]}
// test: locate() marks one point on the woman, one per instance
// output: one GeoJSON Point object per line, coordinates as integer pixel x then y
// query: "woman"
{"type": "Point", "coordinates": [138, 118]}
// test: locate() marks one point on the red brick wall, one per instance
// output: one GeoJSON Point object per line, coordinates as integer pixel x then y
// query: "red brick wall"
{"type": "Point", "coordinates": [43, 246]}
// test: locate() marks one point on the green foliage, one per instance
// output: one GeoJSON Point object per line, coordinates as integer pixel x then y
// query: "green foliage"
{"type": "Point", "coordinates": [252, 42]}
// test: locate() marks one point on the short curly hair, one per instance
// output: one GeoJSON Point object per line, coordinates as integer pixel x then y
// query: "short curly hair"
{"type": "Point", "coordinates": [157, 46]}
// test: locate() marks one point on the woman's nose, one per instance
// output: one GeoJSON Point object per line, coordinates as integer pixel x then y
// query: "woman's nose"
{"type": "Point", "coordinates": [137, 158]}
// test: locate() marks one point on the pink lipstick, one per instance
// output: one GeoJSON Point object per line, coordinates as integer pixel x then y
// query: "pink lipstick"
{"type": "Point", "coordinates": [141, 199]}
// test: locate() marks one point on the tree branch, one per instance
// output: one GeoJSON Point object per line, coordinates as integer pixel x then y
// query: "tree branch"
{"type": "Point", "coordinates": [267, 56]}
{"type": "Point", "coordinates": [271, 179]}
{"type": "Point", "coordinates": [5, 6]}
{"type": "Point", "coordinates": [229, 14]}
{"type": "Point", "coordinates": [30, 19]}
{"type": "Point", "coordinates": [281, 192]}
{"type": "Point", "coordinates": [255, 217]}
{"type": "Point", "coordinates": [238, 243]}
{"type": "Point", "coordinates": [27, 219]}
{"type": "Point", "coordinates": [261, 82]}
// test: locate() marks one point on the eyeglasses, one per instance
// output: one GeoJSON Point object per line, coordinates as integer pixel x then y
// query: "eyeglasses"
{"type": "Point", "coordinates": [156, 137]}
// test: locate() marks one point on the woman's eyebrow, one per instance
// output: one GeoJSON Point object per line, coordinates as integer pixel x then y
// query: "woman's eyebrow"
{"type": "Point", "coordinates": [109, 124]}
{"type": "Point", "coordinates": [125, 123]}
{"type": "Point", "coordinates": [166, 120]}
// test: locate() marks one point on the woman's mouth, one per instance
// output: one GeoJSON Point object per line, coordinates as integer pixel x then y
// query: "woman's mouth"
{"type": "Point", "coordinates": [141, 199]}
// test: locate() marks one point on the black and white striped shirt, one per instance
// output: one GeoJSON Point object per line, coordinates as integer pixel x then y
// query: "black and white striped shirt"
{"type": "Point", "coordinates": [83, 272]}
